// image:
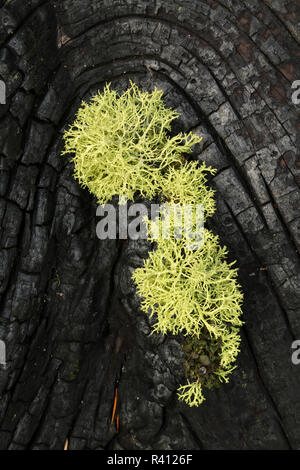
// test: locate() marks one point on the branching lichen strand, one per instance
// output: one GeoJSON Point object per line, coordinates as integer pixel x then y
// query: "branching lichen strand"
{"type": "Point", "coordinates": [121, 146]}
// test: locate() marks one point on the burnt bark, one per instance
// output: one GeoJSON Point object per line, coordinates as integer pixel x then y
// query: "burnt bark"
{"type": "Point", "coordinates": [69, 314]}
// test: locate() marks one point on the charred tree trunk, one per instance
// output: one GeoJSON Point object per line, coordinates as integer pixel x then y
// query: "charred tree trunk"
{"type": "Point", "coordinates": [69, 314]}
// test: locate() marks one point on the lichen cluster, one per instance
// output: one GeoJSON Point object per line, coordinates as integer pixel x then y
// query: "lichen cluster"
{"type": "Point", "coordinates": [121, 145]}
{"type": "Point", "coordinates": [194, 292]}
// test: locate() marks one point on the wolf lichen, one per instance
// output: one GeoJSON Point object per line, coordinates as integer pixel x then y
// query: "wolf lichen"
{"type": "Point", "coordinates": [194, 293]}
{"type": "Point", "coordinates": [189, 290]}
{"type": "Point", "coordinates": [186, 185]}
{"type": "Point", "coordinates": [121, 145]}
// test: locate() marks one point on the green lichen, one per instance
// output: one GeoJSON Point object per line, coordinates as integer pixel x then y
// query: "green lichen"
{"type": "Point", "coordinates": [185, 184]}
{"type": "Point", "coordinates": [121, 145]}
{"type": "Point", "coordinates": [189, 290]}
{"type": "Point", "coordinates": [194, 293]}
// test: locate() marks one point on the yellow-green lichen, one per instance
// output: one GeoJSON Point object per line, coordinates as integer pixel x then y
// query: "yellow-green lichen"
{"type": "Point", "coordinates": [190, 290]}
{"type": "Point", "coordinates": [195, 293]}
{"type": "Point", "coordinates": [121, 145]}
